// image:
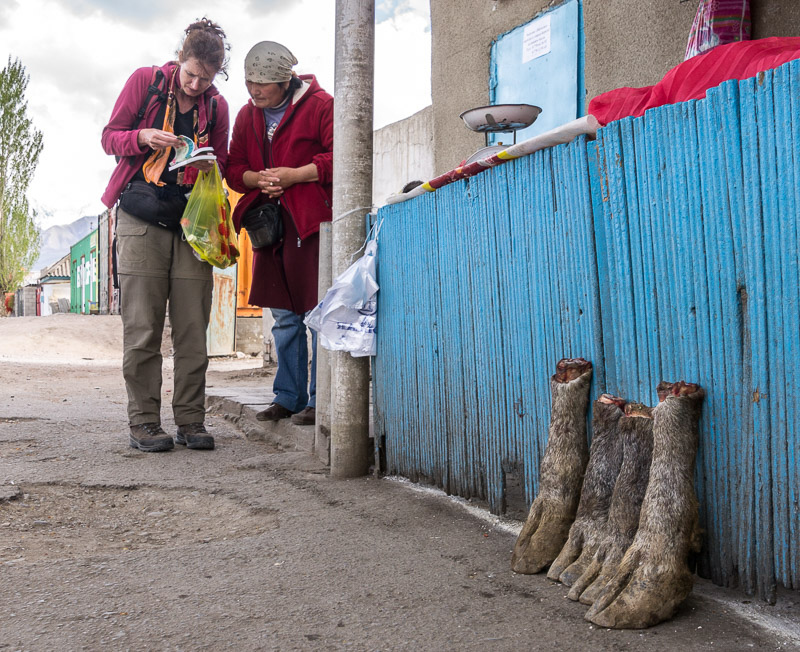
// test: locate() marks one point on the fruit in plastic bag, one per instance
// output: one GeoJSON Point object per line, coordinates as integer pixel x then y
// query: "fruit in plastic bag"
{"type": "Point", "coordinates": [206, 221]}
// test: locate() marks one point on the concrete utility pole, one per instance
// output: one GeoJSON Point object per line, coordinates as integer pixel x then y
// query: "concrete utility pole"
{"type": "Point", "coordinates": [322, 429]}
{"type": "Point", "coordinates": [352, 200]}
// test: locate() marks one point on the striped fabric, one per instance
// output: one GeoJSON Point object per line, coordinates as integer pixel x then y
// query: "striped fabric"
{"type": "Point", "coordinates": [718, 22]}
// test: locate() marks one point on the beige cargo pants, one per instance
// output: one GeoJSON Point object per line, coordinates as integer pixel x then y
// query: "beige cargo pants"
{"type": "Point", "coordinates": [156, 268]}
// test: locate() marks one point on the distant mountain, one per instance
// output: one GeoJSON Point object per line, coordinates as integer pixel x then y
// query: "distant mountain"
{"type": "Point", "coordinates": [57, 240]}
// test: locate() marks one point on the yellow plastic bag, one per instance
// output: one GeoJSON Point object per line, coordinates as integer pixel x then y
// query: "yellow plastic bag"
{"type": "Point", "coordinates": [206, 221]}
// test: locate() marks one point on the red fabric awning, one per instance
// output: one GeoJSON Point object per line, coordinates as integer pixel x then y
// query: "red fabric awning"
{"type": "Point", "coordinates": [691, 79]}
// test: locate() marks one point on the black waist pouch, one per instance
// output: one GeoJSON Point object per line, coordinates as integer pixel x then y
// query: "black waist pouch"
{"type": "Point", "coordinates": [264, 225]}
{"type": "Point", "coordinates": [159, 205]}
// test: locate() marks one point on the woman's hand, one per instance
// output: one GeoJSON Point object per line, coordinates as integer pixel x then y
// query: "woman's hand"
{"type": "Point", "coordinates": [267, 182]}
{"type": "Point", "coordinates": [203, 166]}
{"type": "Point", "coordinates": [156, 139]}
{"type": "Point", "coordinates": [274, 181]}
{"type": "Point", "coordinates": [281, 178]}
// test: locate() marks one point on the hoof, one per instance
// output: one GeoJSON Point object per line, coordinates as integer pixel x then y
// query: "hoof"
{"type": "Point", "coordinates": [593, 591]}
{"type": "Point", "coordinates": [543, 547]}
{"type": "Point", "coordinates": [643, 603]}
{"type": "Point", "coordinates": [576, 569]}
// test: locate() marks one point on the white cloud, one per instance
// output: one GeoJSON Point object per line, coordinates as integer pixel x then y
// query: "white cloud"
{"type": "Point", "coordinates": [402, 61]}
{"type": "Point", "coordinates": [78, 54]}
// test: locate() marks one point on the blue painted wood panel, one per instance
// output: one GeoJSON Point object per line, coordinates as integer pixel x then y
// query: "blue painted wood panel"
{"type": "Point", "coordinates": [664, 250]}
{"type": "Point", "coordinates": [552, 81]}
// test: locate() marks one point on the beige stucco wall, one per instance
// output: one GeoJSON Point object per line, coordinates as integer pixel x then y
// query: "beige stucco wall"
{"type": "Point", "coordinates": [627, 43]}
{"type": "Point", "coordinates": [633, 43]}
{"type": "Point", "coordinates": [462, 35]}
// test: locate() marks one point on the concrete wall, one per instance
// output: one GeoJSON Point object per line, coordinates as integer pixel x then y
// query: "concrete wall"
{"type": "Point", "coordinates": [249, 335]}
{"type": "Point", "coordinates": [402, 152]}
{"type": "Point", "coordinates": [775, 18]}
{"type": "Point", "coordinates": [29, 301]}
{"type": "Point", "coordinates": [627, 43]}
{"type": "Point", "coordinates": [633, 43]}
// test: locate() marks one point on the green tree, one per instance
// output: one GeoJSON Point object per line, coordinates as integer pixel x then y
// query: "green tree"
{"type": "Point", "coordinates": [20, 146]}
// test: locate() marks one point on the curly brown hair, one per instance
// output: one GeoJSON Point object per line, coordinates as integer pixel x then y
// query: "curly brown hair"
{"type": "Point", "coordinates": [205, 41]}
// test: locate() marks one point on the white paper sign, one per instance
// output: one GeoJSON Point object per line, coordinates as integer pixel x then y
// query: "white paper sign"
{"type": "Point", "coordinates": [536, 39]}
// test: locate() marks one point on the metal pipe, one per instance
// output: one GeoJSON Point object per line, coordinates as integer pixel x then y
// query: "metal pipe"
{"type": "Point", "coordinates": [351, 452]}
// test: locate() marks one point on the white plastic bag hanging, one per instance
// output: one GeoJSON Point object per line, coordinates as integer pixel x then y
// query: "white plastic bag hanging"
{"type": "Point", "coordinates": [345, 318]}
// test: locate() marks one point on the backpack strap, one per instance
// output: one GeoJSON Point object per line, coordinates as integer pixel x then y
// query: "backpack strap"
{"type": "Point", "coordinates": [204, 137]}
{"type": "Point", "coordinates": [156, 88]}
{"type": "Point", "coordinates": [213, 118]}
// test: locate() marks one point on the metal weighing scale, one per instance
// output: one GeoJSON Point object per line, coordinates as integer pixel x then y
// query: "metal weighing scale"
{"type": "Point", "coordinates": [498, 118]}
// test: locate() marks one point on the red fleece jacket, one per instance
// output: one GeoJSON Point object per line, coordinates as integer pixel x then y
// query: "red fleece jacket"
{"type": "Point", "coordinates": [119, 139]}
{"type": "Point", "coordinates": [304, 135]}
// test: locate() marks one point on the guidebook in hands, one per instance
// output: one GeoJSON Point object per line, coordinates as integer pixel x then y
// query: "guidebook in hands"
{"type": "Point", "coordinates": [187, 153]}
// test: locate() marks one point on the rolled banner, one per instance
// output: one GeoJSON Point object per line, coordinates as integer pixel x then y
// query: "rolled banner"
{"type": "Point", "coordinates": [561, 135]}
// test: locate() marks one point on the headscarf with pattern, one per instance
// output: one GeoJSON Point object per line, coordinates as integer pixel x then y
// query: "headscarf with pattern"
{"type": "Point", "coordinates": [268, 62]}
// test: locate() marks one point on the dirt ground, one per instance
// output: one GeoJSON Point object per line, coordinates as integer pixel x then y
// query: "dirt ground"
{"type": "Point", "coordinates": [247, 547]}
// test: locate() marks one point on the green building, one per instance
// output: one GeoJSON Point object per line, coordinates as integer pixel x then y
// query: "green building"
{"type": "Point", "coordinates": [84, 280]}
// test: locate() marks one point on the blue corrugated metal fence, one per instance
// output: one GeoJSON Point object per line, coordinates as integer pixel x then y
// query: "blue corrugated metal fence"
{"type": "Point", "coordinates": [665, 250]}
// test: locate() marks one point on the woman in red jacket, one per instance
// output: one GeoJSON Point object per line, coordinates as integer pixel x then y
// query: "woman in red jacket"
{"type": "Point", "coordinates": [155, 265]}
{"type": "Point", "coordinates": [282, 153]}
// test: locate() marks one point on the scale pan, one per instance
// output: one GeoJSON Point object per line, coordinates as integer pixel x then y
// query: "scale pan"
{"type": "Point", "coordinates": [501, 117]}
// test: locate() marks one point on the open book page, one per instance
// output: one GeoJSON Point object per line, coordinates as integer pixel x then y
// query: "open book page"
{"type": "Point", "coordinates": [186, 153]}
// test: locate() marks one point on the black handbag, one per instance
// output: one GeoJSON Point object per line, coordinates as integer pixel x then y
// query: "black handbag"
{"type": "Point", "coordinates": [159, 205]}
{"type": "Point", "coordinates": [264, 225]}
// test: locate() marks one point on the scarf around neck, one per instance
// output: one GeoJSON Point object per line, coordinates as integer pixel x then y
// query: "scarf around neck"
{"type": "Point", "coordinates": [157, 161]}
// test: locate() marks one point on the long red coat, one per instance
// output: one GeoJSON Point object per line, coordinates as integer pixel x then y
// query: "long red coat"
{"type": "Point", "coordinates": [285, 276]}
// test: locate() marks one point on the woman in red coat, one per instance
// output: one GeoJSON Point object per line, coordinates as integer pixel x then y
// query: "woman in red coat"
{"type": "Point", "coordinates": [282, 153]}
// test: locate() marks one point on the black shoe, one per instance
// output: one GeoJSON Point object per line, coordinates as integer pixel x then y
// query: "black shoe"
{"type": "Point", "coordinates": [194, 435]}
{"type": "Point", "coordinates": [306, 417]}
{"type": "Point", "coordinates": [150, 438]}
{"type": "Point", "coordinates": [274, 412]}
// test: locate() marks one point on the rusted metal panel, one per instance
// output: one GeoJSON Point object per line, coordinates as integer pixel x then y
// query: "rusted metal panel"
{"type": "Point", "coordinates": [244, 278]}
{"type": "Point", "coordinates": [108, 295]}
{"type": "Point", "coordinates": [221, 334]}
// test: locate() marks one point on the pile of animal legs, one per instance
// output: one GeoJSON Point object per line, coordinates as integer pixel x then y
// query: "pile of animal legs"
{"type": "Point", "coordinates": [618, 529]}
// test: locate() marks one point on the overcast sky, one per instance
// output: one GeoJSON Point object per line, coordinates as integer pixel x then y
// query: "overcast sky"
{"type": "Point", "coordinates": [78, 54]}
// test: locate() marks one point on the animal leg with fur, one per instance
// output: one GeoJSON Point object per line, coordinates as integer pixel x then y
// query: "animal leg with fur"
{"type": "Point", "coordinates": [553, 510]}
{"type": "Point", "coordinates": [653, 578]}
{"type": "Point", "coordinates": [636, 433]}
{"type": "Point", "coordinates": [605, 458]}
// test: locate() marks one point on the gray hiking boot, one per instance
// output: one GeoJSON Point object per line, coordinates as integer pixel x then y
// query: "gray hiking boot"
{"type": "Point", "coordinates": [150, 438]}
{"type": "Point", "coordinates": [194, 435]}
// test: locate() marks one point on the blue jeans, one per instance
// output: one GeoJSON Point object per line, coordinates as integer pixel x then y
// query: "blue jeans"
{"type": "Point", "coordinates": [292, 387]}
